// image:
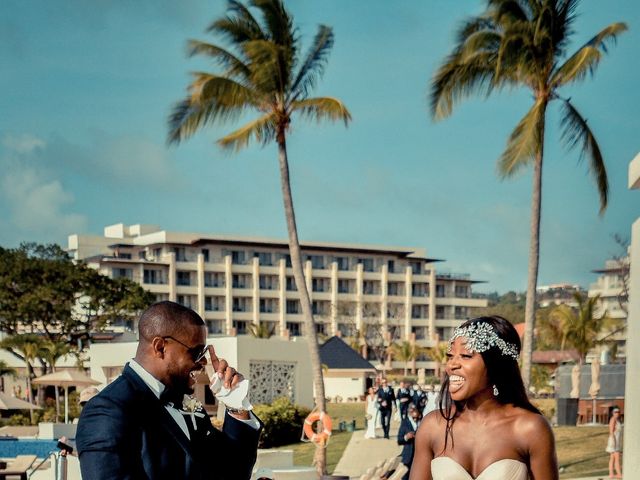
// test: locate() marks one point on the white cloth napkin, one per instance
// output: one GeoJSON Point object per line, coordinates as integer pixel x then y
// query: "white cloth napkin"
{"type": "Point", "coordinates": [236, 398]}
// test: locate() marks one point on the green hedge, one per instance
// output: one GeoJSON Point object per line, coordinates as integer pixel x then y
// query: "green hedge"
{"type": "Point", "coordinates": [282, 422]}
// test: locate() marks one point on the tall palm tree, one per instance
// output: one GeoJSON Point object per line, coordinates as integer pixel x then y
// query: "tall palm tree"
{"type": "Point", "coordinates": [262, 71]}
{"type": "Point", "coordinates": [524, 43]}
{"type": "Point", "coordinates": [51, 351]}
{"type": "Point", "coordinates": [582, 327]}
{"type": "Point", "coordinates": [406, 352]}
{"type": "Point", "coordinates": [26, 347]}
{"type": "Point", "coordinates": [438, 354]}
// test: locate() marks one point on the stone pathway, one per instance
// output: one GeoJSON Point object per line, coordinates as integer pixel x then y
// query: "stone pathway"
{"type": "Point", "coordinates": [362, 453]}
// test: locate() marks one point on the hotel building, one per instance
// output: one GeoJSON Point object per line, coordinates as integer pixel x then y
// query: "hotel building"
{"type": "Point", "coordinates": [236, 282]}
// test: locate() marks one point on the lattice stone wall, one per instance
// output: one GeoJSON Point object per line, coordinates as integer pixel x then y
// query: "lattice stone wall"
{"type": "Point", "coordinates": [271, 380]}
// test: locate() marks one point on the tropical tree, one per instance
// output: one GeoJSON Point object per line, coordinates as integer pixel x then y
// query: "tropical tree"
{"type": "Point", "coordinates": [582, 327]}
{"type": "Point", "coordinates": [406, 352]}
{"type": "Point", "coordinates": [263, 72]}
{"type": "Point", "coordinates": [51, 351]}
{"type": "Point", "coordinates": [439, 355]}
{"type": "Point", "coordinates": [524, 43]}
{"type": "Point", "coordinates": [261, 330]}
{"type": "Point", "coordinates": [26, 347]}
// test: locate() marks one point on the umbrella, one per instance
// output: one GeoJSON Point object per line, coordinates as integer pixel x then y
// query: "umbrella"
{"type": "Point", "coordinates": [594, 388]}
{"type": "Point", "coordinates": [7, 402]}
{"type": "Point", "coordinates": [66, 379]}
{"type": "Point", "coordinates": [575, 382]}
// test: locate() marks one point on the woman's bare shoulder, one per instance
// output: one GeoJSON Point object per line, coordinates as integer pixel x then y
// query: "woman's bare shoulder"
{"type": "Point", "coordinates": [530, 423]}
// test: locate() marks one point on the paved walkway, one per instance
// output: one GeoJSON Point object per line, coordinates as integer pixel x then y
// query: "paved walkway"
{"type": "Point", "coordinates": [362, 453]}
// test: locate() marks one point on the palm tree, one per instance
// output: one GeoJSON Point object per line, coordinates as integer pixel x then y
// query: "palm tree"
{"type": "Point", "coordinates": [439, 355]}
{"type": "Point", "coordinates": [261, 330]}
{"type": "Point", "coordinates": [582, 327]}
{"type": "Point", "coordinates": [524, 43]}
{"type": "Point", "coordinates": [262, 71]}
{"type": "Point", "coordinates": [51, 351]}
{"type": "Point", "coordinates": [406, 352]}
{"type": "Point", "coordinates": [26, 347]}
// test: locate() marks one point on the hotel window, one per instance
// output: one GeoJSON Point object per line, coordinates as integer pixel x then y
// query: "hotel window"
{"type": "Point", "coordinates": [242, 304]}
{"type": "Point", "coordinates": [122, 273]}
{"type": "Point", "coordinates": [418, 311]}
{"type": "Point", "coordinates": [440, 312]}
{"type": "Point", "coordinates": [317, 261]}
{"type": "Point", "coordinates": [269, 282]}
{"type": "Point", "coordinates": [346, 329]}
{"type": "Point", "coordinates": [183, 278]}
{"type": "Point", "coordinates": [291, 284]}
{"type": "Point", "coordinates": [240, 326]}
{"type": "Point", "coordinates": [181, 254]}
{"type": "Point", "coordinates": [294, 329]}
{"type": "Point", "coordinates": [238, 257]}
{"type": "Point", "coordinates": [343, 263]}
{"type": "Point", "coordinates": [440, 290]}
{"type": "Point", "coordinates": [265, 258]}
{"type": "Point", "coordinates": [215, 327]}
{"type": "Point", "coordinates": [319, 307]}
{"type": "Point", "coordinates": [370, 287]}
{"type": "Point", "coordinates": [142, 255]}
{"type": "Point", "coordinates": [420, 332]}
{"type": "Point", "coordinates": [320, 284]}
{"type": "Point", "coordinates": [395, 288]}
{"type": "Point", "coordinates": [462, 291]}
{"type": "Point", "coordinates": [391, 266]}
{"type": "Point", "coordinates": [286, 257]}
{"type": "Point", "coordinates": [416, 267]}
{"type": "Point", "coordinates": [239, 280]}
{"type": "Point", "coordinates": [188, 301]}
{"type": "Point", "coordinates": [346, 286]}
{"type": "Point", "coordinates": [213, 279]}
{"type": "Point", "coordinates": [205, 254]}
{"type": "Point", "coordinates": [420, 289]}
{"type": "Point", "coordinates": [213, 303]}
{"type": "Point", "coordinates": [268, 305]}
{"type": "Point", "coordinates": [153, 277]}
{"type": "Point", "coordinates": [157, 253]}
{"type": "Point", "coordinates": [321, 328]}
{"type": "Point", "coordinates": [461, 313]}
{"type": "Point", "coordinates": [293, 306]}
{"type": "Point", "coordinates": [367, 264]}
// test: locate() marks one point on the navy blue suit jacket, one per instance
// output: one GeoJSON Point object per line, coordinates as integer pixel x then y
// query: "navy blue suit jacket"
{"type": "Point", "coordinates": [126, 433]}
{"type": "Point", "coordinates": [407, 445]}
{"type": "Point", "coordinates": [389, 397]}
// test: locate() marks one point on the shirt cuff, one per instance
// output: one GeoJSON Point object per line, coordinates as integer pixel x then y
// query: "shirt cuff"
{"type": "Point", "coordinates": [252, 421]}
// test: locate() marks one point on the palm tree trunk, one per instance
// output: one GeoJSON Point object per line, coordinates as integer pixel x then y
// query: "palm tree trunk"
{"type": "Point", "coordinates": [320, 459]}
{"type": "Point", "coordinates": [534, 260]}
{"type": "Point", "coordinates": [29, 393]}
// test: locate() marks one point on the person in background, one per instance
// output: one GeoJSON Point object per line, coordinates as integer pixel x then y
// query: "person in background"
{"type": "Point", "coordinates": [403, 398]}
{"type": "Point", "coordinates": [614, 444]}
{"type": "Point", "coordinates": [418, 397]}
{"type": "Point", "coordinates": [386, 401]}
{"type": "Point", "coordinates": [371, 413]}
{"type": "Point", "coordinates": [86, 395]}
{"type": "Point", "coordinates": [431, 402]}
{"type": "Point", "coordinates": [407, 434]}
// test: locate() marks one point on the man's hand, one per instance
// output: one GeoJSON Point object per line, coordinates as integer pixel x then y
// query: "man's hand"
{"type": "Point", "coordinates": [230, 376]}
{"type": "Point", "coordinates": [409, 436]}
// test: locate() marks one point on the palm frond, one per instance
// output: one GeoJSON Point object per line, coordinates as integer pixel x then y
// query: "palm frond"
{"type": "Point", "coordinates": [262, 130]}
{"type": "Point", "coordinates": [278, 22]}
{"type": "Point", "coordinates": [233, 65]}
{"type": "Point", "coordinates": [238, 26]}
{"type": "Point", "coordinates": [314, 64]}
{"type": "Point", "coordinates": [480, 41]}
{"type": "Point", "coordinates": [263, 60]}
{"type": "Point", "coordinates": [472, 26]}
{"type": "Point", "coordinates": [576, 132]}
{"type": "Point", "coordinates": [508, 11]}
{"type": "Point", "coordinates": [456, 79]}
{"type": "Point", "coordinates": [320, 108]}
{"type": "Point", "coordinates": [587, 58]}
{"type": "Point", "coordinates": [524, 142]}
{"type": "Point", "coordinates": [212, 98]}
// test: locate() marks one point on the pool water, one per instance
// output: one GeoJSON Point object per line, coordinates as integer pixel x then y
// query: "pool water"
{"type": "Point", "coordinates": [39, 448]}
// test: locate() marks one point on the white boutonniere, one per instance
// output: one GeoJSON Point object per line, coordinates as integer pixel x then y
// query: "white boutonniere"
{"type": "Point", "coordinates": [192, 407]}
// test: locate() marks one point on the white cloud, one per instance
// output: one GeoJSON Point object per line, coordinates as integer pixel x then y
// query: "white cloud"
{"type": "Point", "coordinates": [35, 204]}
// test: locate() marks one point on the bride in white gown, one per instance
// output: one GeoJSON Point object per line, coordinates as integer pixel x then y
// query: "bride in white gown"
{"type": "Point", "coordinates": [371, 405]}
{"type": "Point", "coordinates": [485, 427]}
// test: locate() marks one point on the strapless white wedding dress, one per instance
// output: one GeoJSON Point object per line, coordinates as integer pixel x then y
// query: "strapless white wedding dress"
{"type": "Point", "coordinates": [446, 468]}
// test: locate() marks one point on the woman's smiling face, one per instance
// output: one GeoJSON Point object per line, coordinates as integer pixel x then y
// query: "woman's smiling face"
{"type": "Point", "coordinates": [467, 372]}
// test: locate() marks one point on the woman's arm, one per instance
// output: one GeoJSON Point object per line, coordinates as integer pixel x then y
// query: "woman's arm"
{"type": "Point", "coordinates": [612, 426]}
{"type": "Point", "coordinates": [543, 463]}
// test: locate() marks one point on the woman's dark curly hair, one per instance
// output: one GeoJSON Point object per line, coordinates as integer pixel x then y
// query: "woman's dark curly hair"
{"type": "Point", "coordinates": [503, 372]}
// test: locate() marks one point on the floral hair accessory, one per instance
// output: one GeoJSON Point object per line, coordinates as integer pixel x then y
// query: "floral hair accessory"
{"type": "Point", "coordinates": [481, 337]}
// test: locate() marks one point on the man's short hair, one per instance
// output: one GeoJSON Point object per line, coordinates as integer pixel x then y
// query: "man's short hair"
{"type": "Point", "coordinates": [166, 319]}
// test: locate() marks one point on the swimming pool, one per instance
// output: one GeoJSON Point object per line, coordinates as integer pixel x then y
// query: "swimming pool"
{"type": "Point", "coordinates": [39, 448]}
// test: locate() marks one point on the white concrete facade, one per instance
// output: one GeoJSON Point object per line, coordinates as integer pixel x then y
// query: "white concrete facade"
{"type": "Point", "coordinates": [108, 359]}
{"type": "Point", "coordinates": [632, 382]}
{"type": "Point", "coordinates": [234, 282]}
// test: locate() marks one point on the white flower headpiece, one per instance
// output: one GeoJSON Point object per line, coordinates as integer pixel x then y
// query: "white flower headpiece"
{"type": "Point", "coordinates": [481, 337]}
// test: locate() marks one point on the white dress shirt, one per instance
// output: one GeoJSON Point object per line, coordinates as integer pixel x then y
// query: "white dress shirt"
{"type": "Point", "coordinates": [157, 387]}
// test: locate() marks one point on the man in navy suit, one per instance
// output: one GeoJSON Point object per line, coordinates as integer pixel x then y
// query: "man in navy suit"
{"type": "Point", "coordinates": [136, 429]}
{"type": "Point", "coordinates": [407, 435]}
{"type": "Point", "coordinates": [386, 400]}
{"type": "Point", "coordinates": [403, 396]}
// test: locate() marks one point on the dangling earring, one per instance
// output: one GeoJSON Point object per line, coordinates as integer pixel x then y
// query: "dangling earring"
{"type": "Point", "coordinates": [495, 391]}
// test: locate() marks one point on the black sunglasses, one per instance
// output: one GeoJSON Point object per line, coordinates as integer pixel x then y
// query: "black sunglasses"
{"type": "Point", "coordinates": [197, 353]}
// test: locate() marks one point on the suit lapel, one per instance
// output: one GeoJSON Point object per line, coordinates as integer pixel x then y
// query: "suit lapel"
{"type": "Point", "coordinates": [156, 409]}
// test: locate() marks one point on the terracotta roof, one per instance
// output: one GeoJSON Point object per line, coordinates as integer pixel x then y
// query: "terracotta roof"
{"type": "Point", "coordinates": [555, 356]}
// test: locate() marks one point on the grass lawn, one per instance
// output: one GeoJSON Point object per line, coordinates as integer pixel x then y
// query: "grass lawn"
{"type": "Point", "coordinates": [303, 452]}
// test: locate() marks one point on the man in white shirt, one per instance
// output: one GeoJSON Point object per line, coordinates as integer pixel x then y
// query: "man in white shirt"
{"type": "Point", "coordinates": [142, 426]}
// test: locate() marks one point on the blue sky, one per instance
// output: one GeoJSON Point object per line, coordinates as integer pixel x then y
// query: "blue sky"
{"type": "Point", "coordinates": [87, 88]}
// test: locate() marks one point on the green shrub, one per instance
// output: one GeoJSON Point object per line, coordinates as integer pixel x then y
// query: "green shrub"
{"type": "Point", "coordinates": [282, 422]}
{"type": "Point", "coordinates": [19, 419]}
